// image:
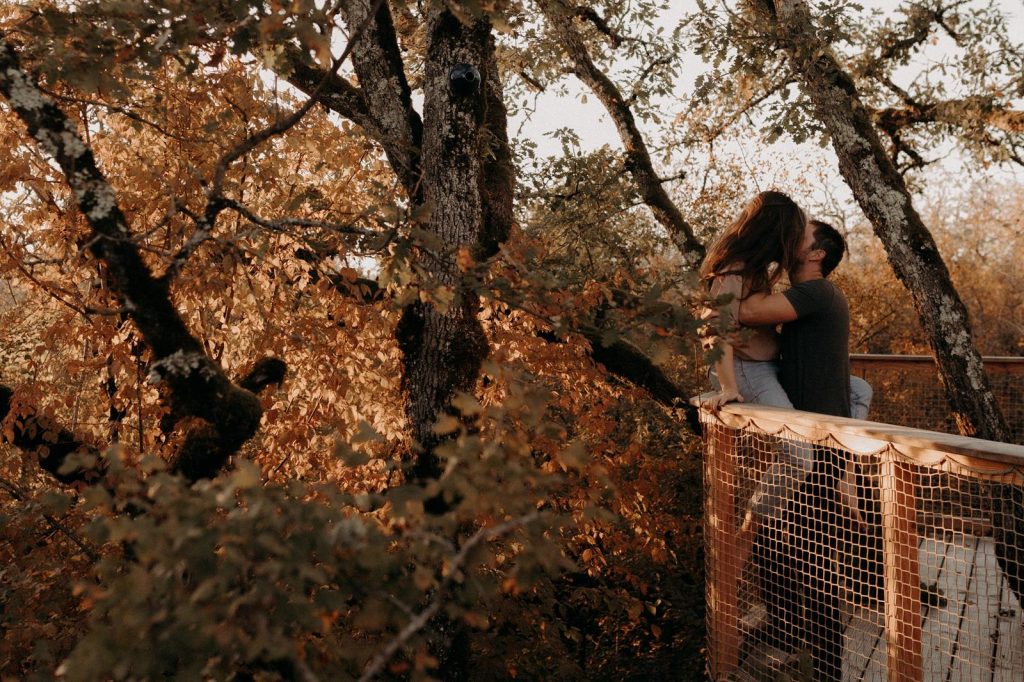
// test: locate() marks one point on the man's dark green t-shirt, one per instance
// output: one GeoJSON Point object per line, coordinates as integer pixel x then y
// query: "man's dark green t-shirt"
{"type": "Point", "coordinates": [814, 367]}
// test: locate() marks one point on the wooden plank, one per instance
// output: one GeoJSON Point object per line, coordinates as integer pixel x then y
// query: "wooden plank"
{"type": "Point", "coordinates": [932, 562]}
{"type": "Point", "coordinates": [863, 638]}
{"type": "Point", "coordinates": [902, 570]}
{"type": "Point", "coordinates": [724, 568]}
{"type": "Point", "coordinates": [865, 651]}
{"type": "Point", "coordinates": [1008, 663]}
{"type": "Point", "coordinates": [877, 668]}
{"type": "Point", "coordinates": [980, 617]}
{"type": "Point", "coordinates": [940, 637]}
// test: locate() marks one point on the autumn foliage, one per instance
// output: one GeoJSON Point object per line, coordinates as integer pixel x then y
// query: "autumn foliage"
{"type": "Point", "coordinates": [548, 523]}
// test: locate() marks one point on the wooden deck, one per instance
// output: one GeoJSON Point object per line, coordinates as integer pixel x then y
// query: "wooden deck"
{"type": "Point", "coordinates": [973, 631]}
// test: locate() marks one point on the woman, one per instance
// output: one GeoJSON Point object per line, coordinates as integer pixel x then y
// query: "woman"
{"type": "Point", "coordinates": [749, 257]}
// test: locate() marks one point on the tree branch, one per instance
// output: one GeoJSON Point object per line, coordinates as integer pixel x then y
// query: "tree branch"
{"type": "Point", "coordinates": [625, 360]}
{"type": "Point", "coordinates": [638, 158]}
{"type": "Point", "coordinates": [216, 202]}
{"type": "Point", "coordinates": [591, 15]}
{"type": "Point", "coordinates": [376, 665]}
{"type": "Point", "coordinates": [43, 437]}
{"type": "Point", "coordinates": [917, 28]}
{"type": "Point", "coordinates": [969, 112]}
{"type": "Point", "coordinates": [382, 105]}
{"type": "Point", "coordinates": [20, 495]}
{"type": "Point", "coordinates": [196, 385]}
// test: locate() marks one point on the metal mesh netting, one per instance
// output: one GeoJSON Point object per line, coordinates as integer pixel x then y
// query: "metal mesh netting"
{"type": "Point", "coordinates": [842, 565]}
{"type": "Point", "coordinates": [907, 391]}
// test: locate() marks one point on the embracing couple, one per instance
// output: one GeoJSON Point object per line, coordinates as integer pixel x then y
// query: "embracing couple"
{"type": "Point", "coordinates": [805, 366]}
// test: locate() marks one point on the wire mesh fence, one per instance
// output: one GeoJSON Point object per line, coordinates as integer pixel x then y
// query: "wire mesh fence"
{"type": "Point", "coordinates": [838, 551]}
{"type": "Point", "coordinates": [907, 391]}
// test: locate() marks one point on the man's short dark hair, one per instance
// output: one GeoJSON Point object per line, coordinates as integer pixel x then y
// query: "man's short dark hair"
{"type": "Point", "coordinates": [829, 240]}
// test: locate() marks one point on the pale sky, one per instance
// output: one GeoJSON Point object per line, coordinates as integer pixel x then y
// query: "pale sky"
{"type": "Point", "coordinates": [595, 128]}
{"type": "Point", "coordinates": [554, 111]}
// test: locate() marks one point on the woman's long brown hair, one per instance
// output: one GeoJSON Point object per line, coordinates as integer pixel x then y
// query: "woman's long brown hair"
{"type": "Point", "coordinates": [769, 230]}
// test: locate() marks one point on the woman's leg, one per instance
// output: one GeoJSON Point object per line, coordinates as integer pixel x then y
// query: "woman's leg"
{"type": "Point", "coordinates": [759, 384]}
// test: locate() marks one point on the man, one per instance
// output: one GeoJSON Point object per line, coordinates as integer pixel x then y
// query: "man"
{"type": "Point", "coordinates": [814, 345]}
{"type": "Point", "coordinates": [794, 554]}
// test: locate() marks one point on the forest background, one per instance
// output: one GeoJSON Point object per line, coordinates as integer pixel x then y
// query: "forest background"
{"type": "Point", "coordinates": [300, 382]}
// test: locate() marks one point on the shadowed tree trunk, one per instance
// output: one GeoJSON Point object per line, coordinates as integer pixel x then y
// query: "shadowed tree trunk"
{"type": "Point", "coordinates": [443, 345]}
{"type": "Point", "coordinates": [48, 440]}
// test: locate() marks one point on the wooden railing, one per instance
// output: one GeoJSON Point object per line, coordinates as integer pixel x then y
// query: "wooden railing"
{"type": "Point", "coordinates": [916, 486]}
{"type": "Point", "coordinates": [908, 390]}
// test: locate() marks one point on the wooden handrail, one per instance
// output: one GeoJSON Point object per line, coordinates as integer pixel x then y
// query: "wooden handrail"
{"type": "Point", "coordinates": [904, 454]}
{"type": "Point", "coordinates": [917, 446]}
{"type": "Point", "coordinates": [1002, 364]}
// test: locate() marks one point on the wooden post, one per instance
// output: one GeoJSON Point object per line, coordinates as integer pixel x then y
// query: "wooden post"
{"type": "Point", "coordinates": [902, 573]}
{"type": "Point", "coordinates": [723, 563]}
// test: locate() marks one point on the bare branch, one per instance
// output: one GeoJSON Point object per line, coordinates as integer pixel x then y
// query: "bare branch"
{"type": "Point", "coordinates": [376, 666]}
{"type": "Point", "coordinates": [127, 113]}
{"type": "Point", "coordinates": [215, 197]}
{"type": "Point", "coordinates": [17, 493]}
{"type": "Point", "coordinates": [638, 158]}
{"type": "Point", "coordinates": [280, 224]}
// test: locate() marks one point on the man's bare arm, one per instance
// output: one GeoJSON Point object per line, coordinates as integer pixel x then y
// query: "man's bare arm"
{"type": "Point", "coordinates": [761, 309]}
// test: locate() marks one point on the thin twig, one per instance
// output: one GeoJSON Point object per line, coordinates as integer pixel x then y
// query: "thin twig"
{"type": "Point", "coordinates": [17, 493]}
{"type": "Point", "coordinates": [418, 622]}
{"type": "Point", "coordinates": [216, 202]}
{"type": "Point", "coordinates": [128, 113]}
{"type": "Point", "coordinates": [280, 224]}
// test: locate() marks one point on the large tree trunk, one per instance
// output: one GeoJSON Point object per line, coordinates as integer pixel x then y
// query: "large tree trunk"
{"type": "Point", "coordinates": [885, 200]}
{"type": "Point", "coordinates": [443, 346]}
{"type": "Point", "coordinates": [456, 164]}
{"type": "Point", "coordinates": [882, 194]}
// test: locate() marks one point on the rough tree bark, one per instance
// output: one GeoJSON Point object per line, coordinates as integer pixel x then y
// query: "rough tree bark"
{"type": "Point", "coordinates": [883, 196]}
{"type": "Point", "coordinates": [196, 386]}
{"type": "Point", "coordinates": [967, 112]}
{"type": "Point", "coordinates": [443, 348]}
{"type": "Point", "coordinates": [559, 14]}
{"type": "Point", "coordinates": [456, 163]}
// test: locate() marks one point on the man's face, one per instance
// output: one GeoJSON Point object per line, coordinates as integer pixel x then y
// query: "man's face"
{"type": "Point", "coordinates": [806, 246]}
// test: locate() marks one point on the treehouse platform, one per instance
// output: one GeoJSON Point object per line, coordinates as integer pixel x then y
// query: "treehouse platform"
{"type": "Point", "coordinates": [898, 555]}
{"type": "Point", "coordinates": [972, 626]}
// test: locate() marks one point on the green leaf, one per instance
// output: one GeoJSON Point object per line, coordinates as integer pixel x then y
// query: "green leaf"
{"type": "Point", "coordinates": [445, 424]}
{"type": "Point", "coordinates": [56, 503]}
{"type": "Point", "coordinates": [365, 433]}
